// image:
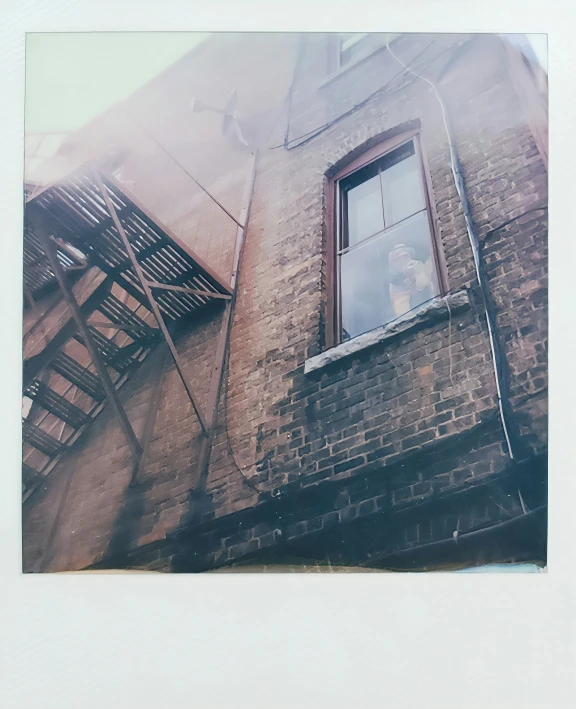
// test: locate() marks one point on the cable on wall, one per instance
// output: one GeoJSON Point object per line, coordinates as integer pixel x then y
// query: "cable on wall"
{"type": "Point", "coordinates": [543, 208]}
{"type": "Point", "coordinates": [251, 484]}
{"type": "Point", "coordinates": [450, 340]}
{"type": "Point", "coordinates": [254, 466]}
{"type": "Point", "coordinates": [500, 363]}
{"type": "Point", "coordinates": [310, 135]}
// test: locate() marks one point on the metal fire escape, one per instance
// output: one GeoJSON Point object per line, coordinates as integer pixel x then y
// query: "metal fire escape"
{"type": "Point", "coordinates": [127, 281]}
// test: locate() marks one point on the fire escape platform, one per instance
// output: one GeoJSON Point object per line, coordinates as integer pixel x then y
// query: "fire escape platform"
{"type": "Point", "coordinates": [125, 282]}
{"type": "Point", "coordinates": [78, 212]}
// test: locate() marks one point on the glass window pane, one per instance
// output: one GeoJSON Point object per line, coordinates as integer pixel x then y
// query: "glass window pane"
{"type": "Point", "coordinates": [387, 276]}
{"type": "Point", "coordinates": [349, 40]}
{"type": "Point", "coordinates": [365, 216]}
{"type": "Point", "coordinates": [402, 190]}
{"type": "Point", "coordinates": [352, 46]}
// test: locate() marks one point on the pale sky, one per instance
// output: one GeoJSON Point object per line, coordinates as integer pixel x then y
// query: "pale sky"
{"type": "Point", "coordinates": [539, 44]}
{"type": "Point", "coordinates": [72, 77]}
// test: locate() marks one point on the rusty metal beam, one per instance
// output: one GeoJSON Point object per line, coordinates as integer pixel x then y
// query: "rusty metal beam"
{"type": "Point", "coordinates": [151, 416]}
{"type": "Point", "coordinates": [50, 250]}
{"type": "Point", "coordinates": [34, 365]}
{"type": "Point", "coordinates": [144, 211]}
{"type": "Point", "coordinates": [190, 291]}
{"type": "Point", "coordinates": [46, 326]}
{"type": "Point", "coordinates": [62, 246]}
{"type": "Point", "coordinates": [224, 336]}
{"type": "Point", "coordinates": [155, 309]}
{"type": "Point", "coordinates": [80, 262]}
{"type": "Point", "coordinates": [37, 314]}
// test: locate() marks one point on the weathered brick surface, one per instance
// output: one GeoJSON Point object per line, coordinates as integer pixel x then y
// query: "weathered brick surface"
{"type": "Point", "coordinates": [359, 520]}
{"type": "Point", "coordinates": [359, 429]}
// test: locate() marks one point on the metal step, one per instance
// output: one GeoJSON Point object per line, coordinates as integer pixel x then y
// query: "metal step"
{"type": "Point", "coordinates": [118, 312]}
{"type": "Point", "coordinates": [40, 440]}
{"type": "Point", "coordinates": [75, 373]}
{"type": "Point", "coordinates": [54, 403]}
{"type": "Point", "coordinates": [111, 354]}
{"type": "Point", "coordinates": [30, 476]}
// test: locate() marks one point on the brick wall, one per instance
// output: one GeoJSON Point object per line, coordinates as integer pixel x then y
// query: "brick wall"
{"type": "Point", "coordinates": [103, 509]}
{"type": "Point", "coordinates": [411, 418]}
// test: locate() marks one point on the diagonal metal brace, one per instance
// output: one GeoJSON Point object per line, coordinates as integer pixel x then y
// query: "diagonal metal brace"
{"type": "Point", "coordinates": [50, 250]}
{"type": "Point", "coordinates": [189, 291]}
{"type": "Point", "coordinates": [155, 309]}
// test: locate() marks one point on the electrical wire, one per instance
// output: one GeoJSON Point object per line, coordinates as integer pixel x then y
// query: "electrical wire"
{"type": "Point", "coordinates": [450, 340]}
{"type": "Point", "coordinates": [290, 94]}
{"type": "Point", "coordinates": [305, 138]}
{"type": "Point", "coordinates": [253, 466]}
{"type": "Point", "coordinates": [471, 234]}
{"type": "Point", "coordinates": [309, 135]}
{"type": "Point", "coordinates": [489, 233]}
{"type": "Point", "coordinates": [532, 395]}
{"type": "Point", "coordinates": [383, 90]}
{"type": "Point", "coordinates": [246, 478]}
{"type": "Point", "coordinates": [448, 446]}
{"type": "Point", "coordinates": [490, 316]}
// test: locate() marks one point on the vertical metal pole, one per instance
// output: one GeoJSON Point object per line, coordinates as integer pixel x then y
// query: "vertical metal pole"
{"type": "Point", "coordinates": [38, 315]}
{"type": "Point", "coordinates": [155, 309]}
{"type": "Point", "coordinates": [224, 336]}
{"type": "Point", "coordinates": [90, 344]}
{"type": "Point", "coordinates": [151, 416]}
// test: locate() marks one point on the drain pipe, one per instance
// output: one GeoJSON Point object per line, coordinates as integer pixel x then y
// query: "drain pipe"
{"type": "Point", "coordinates": [224, 336]}
{"type": "Point", "coordinates": [499, 361]}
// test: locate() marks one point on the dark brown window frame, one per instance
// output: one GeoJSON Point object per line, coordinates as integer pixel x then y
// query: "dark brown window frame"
{"type": "Point", "coordinates": [333, 225]}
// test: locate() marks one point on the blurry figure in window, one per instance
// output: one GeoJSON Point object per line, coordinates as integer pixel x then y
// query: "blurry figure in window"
{"type": "Point", "coordinates": [410, 279]}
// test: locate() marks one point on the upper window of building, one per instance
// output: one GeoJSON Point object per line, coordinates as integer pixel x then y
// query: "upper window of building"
{"type": "Point", "coordinates": [385, 257]}
{"type": "Point", "coordinates": [352, 47]}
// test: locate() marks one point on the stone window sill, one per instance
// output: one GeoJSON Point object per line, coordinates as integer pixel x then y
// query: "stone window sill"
{"type": "Point", "coordinates": [424, 315]}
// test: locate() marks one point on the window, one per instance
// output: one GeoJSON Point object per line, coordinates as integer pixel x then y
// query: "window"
{"type": "Point", "coordinates": [385, 262]}
{"type": "Point", "coordinates": [351, 47]}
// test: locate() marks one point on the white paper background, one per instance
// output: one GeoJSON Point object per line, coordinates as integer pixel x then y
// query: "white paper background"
{"type": "Point", "coordinates": [428, 641]}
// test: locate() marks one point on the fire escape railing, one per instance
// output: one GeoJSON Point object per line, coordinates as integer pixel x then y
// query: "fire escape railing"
{"type": "Point", "coordinates": [93, 219]}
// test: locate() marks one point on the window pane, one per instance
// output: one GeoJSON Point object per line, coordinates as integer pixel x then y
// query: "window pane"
{"type": "Point", "coordinates": [349, 40]}
{"type": "Point", "coordinates": [364, 211]}
{"type": "Point", "coordinates": [387, 276]}
{"type": "Point", "coordinates": [352, 46]}
{"type": "Point", "coordinates": [402, 190]}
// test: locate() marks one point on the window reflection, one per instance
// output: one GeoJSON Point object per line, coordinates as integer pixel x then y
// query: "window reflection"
{"type": "Point", "coordinates": [352, 46]}
{"type": "Point", "coordinates": [402, 190]}
{"type": "Point", "coordinates": [365, 216]}
{"type": "Point", "coordinates": [386, 259]}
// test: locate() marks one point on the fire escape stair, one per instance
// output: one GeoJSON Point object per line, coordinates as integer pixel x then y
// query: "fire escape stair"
{"type": "Point", "coordinates": [113, 355]}
{"type": "Point", "coordinates": [80, 376]}
{"type": "Point", "coordinates": [86, 380]}
{"type": "Point", "coordinates": [74, 213]}
{"type": "Point", "coordinates": [57, 405]}
{"type": "Point", "coordinates": [39, 439]}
